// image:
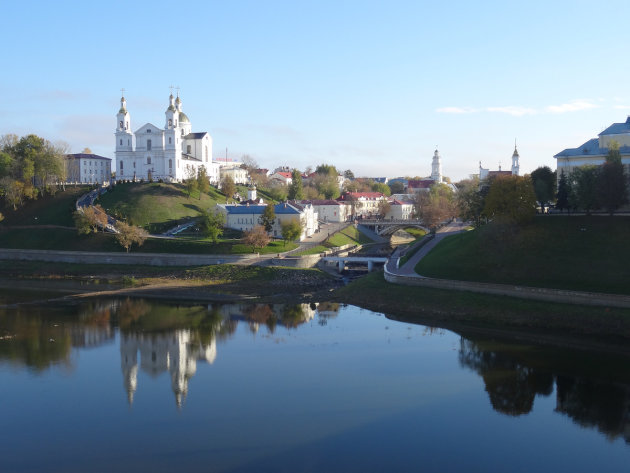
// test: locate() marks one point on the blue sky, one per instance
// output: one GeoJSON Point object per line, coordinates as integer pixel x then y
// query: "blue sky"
{"type": "Point", "coordinates": [364, 85]}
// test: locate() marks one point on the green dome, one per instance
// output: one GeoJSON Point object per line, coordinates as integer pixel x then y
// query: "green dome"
{"type": "Point", "coordinates": [183, 118]}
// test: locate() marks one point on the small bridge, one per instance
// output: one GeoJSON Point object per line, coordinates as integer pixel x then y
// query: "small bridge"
{"type": "Point", "coordinates": [388, 227]}
{"type": "Point", "coordinates": [342, 260]}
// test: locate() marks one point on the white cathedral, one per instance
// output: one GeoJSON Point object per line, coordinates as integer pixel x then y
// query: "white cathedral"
{"type": "Point", "coordinates": [172, 154]}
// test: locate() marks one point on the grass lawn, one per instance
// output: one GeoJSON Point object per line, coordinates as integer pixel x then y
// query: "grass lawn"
{"type": "Point", "coordinates": [415, 232]}
{"type": "Point", "coordinates": [157, 206]}
{"type": "Point", "coordinates": [47, 210]}
{"type": "Point", "coordinates": [579, 253]}
{"type": "Point", "coordinates": [347, 236]}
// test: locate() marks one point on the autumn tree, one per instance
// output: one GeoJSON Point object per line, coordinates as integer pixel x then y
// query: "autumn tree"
{"type": "Point", "coordinates": [510, 200]}
{"type": "Point", "coordinates": [228, 187]}
{"type": "Point", "coordinates": [249, 163]}
{"type": "Point", "coordinates": [191, 182]}
{"type": "Point", "coordinates": [129, 235]}
{"type": "Point", "coordinates": [291, 230]}
{"type": "Point", "coordinates": [257, 237]}
{"type": "Point", "coordinates": [211, 224]}
{"type": "Point", "coordinates": [436, 206]}
{"type": "Point", "coordinates": [384, 207]}
{"type": "Point", "coordinates": [470, 200]}
{"type": "Point", "coordinates": [268, 218]}
{"type": "Point", "coordinates": [296, 191]}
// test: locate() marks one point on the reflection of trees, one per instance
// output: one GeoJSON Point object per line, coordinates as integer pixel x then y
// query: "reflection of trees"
{"type": "Point", "coordinates": [511, 386]}
{"type": "Point", "coordinates": [326, 311]}
{"type": "Point", "coordinates": [293, 315]}
{"type": "Point", "coordinates": [595, 404]}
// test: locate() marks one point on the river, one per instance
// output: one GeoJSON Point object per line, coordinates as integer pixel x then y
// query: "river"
{"type": "Point", "coordinates": [138, 385]}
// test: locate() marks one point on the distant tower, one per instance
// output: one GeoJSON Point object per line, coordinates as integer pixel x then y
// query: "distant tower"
{"type": "Point", "coordinates": [124, 136]}
{"type": "Point", "coordinates": [515, 165]}
{"type": "Point", "coordinates": [251, 193]}
{"type": "Point", "coordinates": [436, 168]}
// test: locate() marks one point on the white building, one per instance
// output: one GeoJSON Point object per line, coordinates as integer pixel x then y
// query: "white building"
{"type": "Point", "coordinates": [400, 209]}
{"type": "Point", "coordinates": [246, 217]}
{"type": "Point", "coordinates": [172, 153]}
{"type": "Point", "coordinates": [238, 174]}
{"type": "Point", "coordinates": [436, 168]}
{"type": "Point", "coordinates": [595, 150]}
{"type": "Point", "coordinates": [88, 168]}
{"type": "Point", "coordinates": [330, 210]}
{"type": "Point", "coordinates": [362, 204]}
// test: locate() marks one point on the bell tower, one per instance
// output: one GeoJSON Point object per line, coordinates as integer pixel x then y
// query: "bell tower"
{"type": "Point", "coordinates": [436, 168]}
{"type": "Point", "coordinates": [124, 136]}
{"type": "Point", "coordinates": [515, 165]}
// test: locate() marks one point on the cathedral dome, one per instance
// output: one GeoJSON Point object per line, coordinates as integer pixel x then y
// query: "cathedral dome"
{"type": "Point", "coordinates": [183, 118]}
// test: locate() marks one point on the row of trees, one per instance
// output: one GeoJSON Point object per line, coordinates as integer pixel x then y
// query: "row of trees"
{"type": "Point", "coordinates": [92, 218]}
{"type": "Point", "coordinates": [29, 167]}
{"type": "Point", "coordinates": [595, 187]}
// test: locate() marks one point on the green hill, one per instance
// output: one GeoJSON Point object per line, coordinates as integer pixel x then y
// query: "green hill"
{"type": "Point", "coordinates": [48, 210]}
{"type": "Point", "coordinates": [157, 206]}
{"type": "Point", "coordinates": [579, 253]}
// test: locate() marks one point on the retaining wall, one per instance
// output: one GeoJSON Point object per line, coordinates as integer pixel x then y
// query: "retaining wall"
{"type": "Point", "coordinates": [524, 292]}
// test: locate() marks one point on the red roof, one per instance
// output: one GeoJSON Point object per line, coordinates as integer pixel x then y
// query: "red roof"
{"type": "Point", "coordinates": [284, 174]}
{"type": "Point", "coordinates": [420, 184]}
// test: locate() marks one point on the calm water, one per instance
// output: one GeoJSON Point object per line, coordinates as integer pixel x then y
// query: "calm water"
{"type": "Point", "coordinates": [133, 385]}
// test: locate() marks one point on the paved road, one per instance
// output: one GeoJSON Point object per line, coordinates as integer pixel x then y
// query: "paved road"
{"type": "Point", "coordinates": [408, 269]}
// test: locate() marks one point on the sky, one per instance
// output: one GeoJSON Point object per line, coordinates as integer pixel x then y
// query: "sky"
{"type": "Point", "coordinates": [370, 86]}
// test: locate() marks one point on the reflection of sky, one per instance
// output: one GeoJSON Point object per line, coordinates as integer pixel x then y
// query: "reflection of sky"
{"type": "Point", "coordinates": [361, 393]}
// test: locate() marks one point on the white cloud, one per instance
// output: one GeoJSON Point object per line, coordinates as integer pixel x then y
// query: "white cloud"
{"type": "Point", "coordinates": [514, 111]}
{"type": "Point", "coordinates": [573, 106]}
{"type": "Point", "coordinates": [457, 110]}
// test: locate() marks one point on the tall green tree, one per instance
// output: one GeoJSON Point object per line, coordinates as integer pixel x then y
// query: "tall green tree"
{"type": "Point", "coordinates": [296, 191]}
{"type": "Point", "coordinates": [584, 186]}
{"type": "Point", "coordinates": [562, 201]}
{"type": "Point", "coordinates": [203, 183]}
{"type": "Point", "coordinates": [211, 224]}
{"type": "Point", "coordinates": [544, 181]}
{"type": "Point", "coordinates": [228, 187]}
{"type": "Point", "coordinates": [470, 200]}
{"type": "Point", "coordinates": [436, 206]}
{"type": "Point", "coordinates": [268, 218]}
{"type": "Point", "coordinates": [612, 182]}
{"type": "Point", "coordinates": [380, 187]}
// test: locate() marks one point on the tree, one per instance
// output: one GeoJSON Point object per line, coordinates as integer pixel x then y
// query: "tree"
{"type": "Point", "coordinates": [268, 218]}
{"type": "Point", "coordinates": [384, 207]}
{"type": "Point", "coordinates": [562, 201]}
{"type": "Point", "coordinates": [191, 181]}
{"type": "Point", "coordinates": [436, 206]}
{"type": "Point", "coordinates": [327, 185]}
{"type": "Point", "coordinates": [228, 187]}
{"type": "Point", "coordinates": [470, 200]}
{"type": "Point", "coordinates": [584, 188]}
{"type": "Point", "coordinates": [296, 191]}
{"type": "Point", "coordinates": [249, 163]}
{"type": "Point", "coordinates": [612, 182]}
{"type": "Point", "coordinates": [211, 224]}
{"type": "Point", "coordinates": [86, 150]}
{"type": "Point", "coordinates": [129, 235]}
{"type": "Point", "coordinates": [82, 222]}
{"type": "Point", "coordinates": [327, 170]}
{"type": "Point", "coordinates": [396, 187]}
{"type": "Point", "coordinates": [291, 230]}
{"type": "Point", "coordinates": [511, 200]}
{"type": "Point", "coordinates": [544, 181]}
{"type": "Point", "coordinates": [13, 191]}
{"type": "Point", "coordinates": [380, 187]}
{"type": "Point", "coordinates": [348, 174]}
{"type": "Point", "coordinates": [278, 191]}
{"type": "Point", "coordinates": [257, 237]}
{"type": "Point", "coordinates": [203, 183]}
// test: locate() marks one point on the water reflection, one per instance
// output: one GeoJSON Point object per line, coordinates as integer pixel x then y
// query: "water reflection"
{"type": "Point", "coordinates": [156, 339]}
{"type": "Point", "coordinates": [514, 376]}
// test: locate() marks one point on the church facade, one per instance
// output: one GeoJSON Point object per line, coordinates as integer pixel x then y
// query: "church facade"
{"type": "Point", "coordinates": [172, 153]}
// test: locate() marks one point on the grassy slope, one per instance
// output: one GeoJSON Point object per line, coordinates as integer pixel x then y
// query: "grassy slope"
{"type": "Point", "coordinates": [347, 236]}
{"type": "Point", "coordinates": [157, 206]}
{"type": "Point", "coordinates": [580, 253]}
{"type": "Point", "coordinates": [47, 210]}
{"type": "Point", "coordinates": [444, 308]}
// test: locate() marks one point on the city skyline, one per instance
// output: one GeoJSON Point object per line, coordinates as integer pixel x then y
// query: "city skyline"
{"type": "Point", "coordinates": [366, 86]}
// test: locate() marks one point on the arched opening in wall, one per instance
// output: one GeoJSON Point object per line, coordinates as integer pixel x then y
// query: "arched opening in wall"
{"type": "Point", "coordinates": [121, 124]}
{"type": "Point", "coordinates": [170, 122]}
{"type": "Point", "coordinates": [170, 164]}
{"type": "Point", "coordinates": [148, 145]}
{"type": "Point", "coordinates": [148, 159]}
{"type": "Point", "coordinates": [121, 142]}
{"type": "Point", "coordinates": [188, 149]}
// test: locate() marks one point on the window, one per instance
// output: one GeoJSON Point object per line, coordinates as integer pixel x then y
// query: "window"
{"type": "Point", "coordinates": [134, 165]}
{"type": "Point", "coordinates": [121, 124]}
{"type": "Point", "coordinates": [170, 122]}
{"type": "Point", "coordinates": [206, 150]}
{"type": "Point", "coordinates": [169, 140]}
{"type": "Point", "coordinates": [148, 145]}
{"type": "Point", "coordinates": [170, 164]}
{"type": "Point", "coordinates": [121, 142]}
{"type": "Point", "coordinates": [121, 165]}
{"type": "Point", "coordinates": [188, 149]}
{"type": "Point", "coordinates": [148, 130]}
{"type": "Point", "coordinates": [127, 142]}
{"type": "Point", "coordinates": [148, 159]}
{"type": "Point", "coordinates": [182, 132]}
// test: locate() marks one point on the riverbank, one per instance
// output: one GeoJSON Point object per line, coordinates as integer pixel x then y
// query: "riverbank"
{"type": "Point", "coordinates": [558, 324]}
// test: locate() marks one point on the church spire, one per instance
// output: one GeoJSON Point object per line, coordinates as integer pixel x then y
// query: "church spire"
{"type": "Point", "coordinates": [436, 167]}
{"type": "Point", "coordinates": [515, 163]}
